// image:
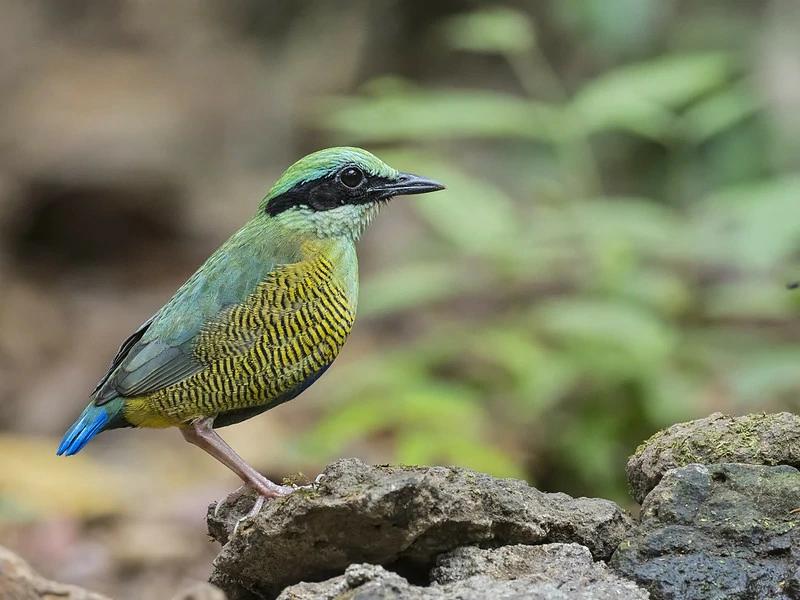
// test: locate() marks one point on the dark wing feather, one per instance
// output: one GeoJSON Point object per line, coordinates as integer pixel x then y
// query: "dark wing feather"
{"type": "Point", "coordinates": [143, 366]}
{"type": "Point", "coordinates": [159, 354]}
{"type": "Point", "coordinates": [164, 366]}
{"type": "Point", "coordinates": [123, 351]}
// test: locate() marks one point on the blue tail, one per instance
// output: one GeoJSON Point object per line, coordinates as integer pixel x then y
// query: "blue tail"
{"type": "Point", "coordinates": [91, 422]}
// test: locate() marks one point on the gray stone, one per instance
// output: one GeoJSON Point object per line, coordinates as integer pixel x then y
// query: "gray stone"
{"type": "Point", "coordinates": [400, 517]}
{"type": "Point", "coordinates": [759, 439]}
{"type": "Point", "coordinates": [550, 572]}
{"type": "Point", "coordinates": [723, 531]}
{"type": "Point", "coordinates": [362, 582]}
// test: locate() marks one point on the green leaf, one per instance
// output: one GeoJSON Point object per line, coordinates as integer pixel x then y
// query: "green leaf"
{"type": "Point", "coordinates": [756, 298]}
{"type": "Point", "coordinates": [416, 115]}
{"type": "Point", "coordinates": [621, 26]}
{"type": "Point", "coordinates": [640, 222]}
{"type": "Point", "coordinates": [642, 98]}
{"type": "Point", "coordinates": [607, 337]}
{"type": "Point", "coordinates": [434, 404]}
{"type": "Point", "coordinates": [499, 30]}
{"type": "Point", "coordinates": [388, 369]}
{"type": "Point", "coordinates": [766, 372]}
{"type": "Point", "coordinates": [659, 288]}
{"type": "Point", "coordinates": [449, 447]}
{"type": "Point", "coordinates": [749, 226]}
{"type": "Point", "coordinates": [410, 286]}
{"type": "Point", "coordinates": [420, 404]}
{"type": "Point", "coordinates": [346, 424]}
{"type": "Point", "coordinates": [538, 376]}
{"type": "Point", "coordinates": [475, 215]}
{"type": "Point", "coordinates": [672, 394]}
{"type": "Point", "coordinates": [720, 112]}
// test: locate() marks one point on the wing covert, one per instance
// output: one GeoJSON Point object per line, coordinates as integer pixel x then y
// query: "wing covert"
{"type": "Point", "coordinates": [160, 353]}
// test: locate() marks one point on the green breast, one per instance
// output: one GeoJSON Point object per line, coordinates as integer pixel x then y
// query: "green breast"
{"type": "Point", "coordinates": [265, 350]}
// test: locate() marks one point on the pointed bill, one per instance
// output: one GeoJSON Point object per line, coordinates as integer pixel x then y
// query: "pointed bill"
{"type": "Point", "coordinates": [405, 185]}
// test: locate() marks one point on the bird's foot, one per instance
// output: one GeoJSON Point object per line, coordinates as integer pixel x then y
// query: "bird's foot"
{"type": "Point", "coordinates": [267, 488]}
{"type": "Point", "coordinates": [282, 490]}
{"type": "Point", "coordinates": [272, 490]}
{"type": "Point", "coordinates": [259, 503]}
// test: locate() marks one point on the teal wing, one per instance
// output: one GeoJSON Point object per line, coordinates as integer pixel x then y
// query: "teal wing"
{"type": "Point", "coordinates": [159, 354]}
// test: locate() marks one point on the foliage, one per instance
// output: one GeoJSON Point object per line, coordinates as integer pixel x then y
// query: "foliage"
{"type": "Point", "coordinates": [608, 258]}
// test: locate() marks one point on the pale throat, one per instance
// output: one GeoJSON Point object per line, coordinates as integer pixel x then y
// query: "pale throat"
{"type": "Point", "coordinates": [348, 221]}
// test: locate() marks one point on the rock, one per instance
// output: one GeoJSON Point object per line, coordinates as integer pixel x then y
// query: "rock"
{"type": "Point", "coordinates": [549, 572]}
{"type": "Point", "coordinates": [19, 582]}
{"type": "Point", "coordinates": [722, 531]}
{"type": "Point", "coordinates": [360, 581]}
{"type": "Point", "coordinates": [760, 439]}
{"type": "Point", "coordinates": [399, 517]}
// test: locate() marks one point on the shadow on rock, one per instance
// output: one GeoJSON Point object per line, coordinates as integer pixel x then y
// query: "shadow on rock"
{"type": "Point", "coordinates": [549, 572]}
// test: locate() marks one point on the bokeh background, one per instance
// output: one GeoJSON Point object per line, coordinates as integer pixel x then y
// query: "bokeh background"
{"type": "Point", "coordinates": [622, 213]}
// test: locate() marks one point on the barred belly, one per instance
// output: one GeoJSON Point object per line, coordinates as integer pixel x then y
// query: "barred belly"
{"type": "Point", "coordinates": [260, 352]}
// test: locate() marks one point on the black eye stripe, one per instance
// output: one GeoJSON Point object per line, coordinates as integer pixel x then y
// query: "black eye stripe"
{"type": "Point", "coordinates": [326, 193]}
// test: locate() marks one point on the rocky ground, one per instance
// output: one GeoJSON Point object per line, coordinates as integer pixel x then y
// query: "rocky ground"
{"type": "Point", "coordinates": [718, 521]}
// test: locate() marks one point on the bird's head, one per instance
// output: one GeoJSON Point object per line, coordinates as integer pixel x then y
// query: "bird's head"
{"type": "Point", "coordinates": [336, 192]}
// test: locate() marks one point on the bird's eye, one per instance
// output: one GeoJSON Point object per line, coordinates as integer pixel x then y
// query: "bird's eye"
{"type": "Point", "coordinates": [351, 177]}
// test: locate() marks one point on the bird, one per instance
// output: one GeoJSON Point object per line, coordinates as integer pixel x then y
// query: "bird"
{"type": "Point", "coordinates": [260, 321]}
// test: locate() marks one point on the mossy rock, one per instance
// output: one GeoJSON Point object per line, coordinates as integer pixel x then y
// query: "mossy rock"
{"type": "Point", "coordinates": [759, 439]}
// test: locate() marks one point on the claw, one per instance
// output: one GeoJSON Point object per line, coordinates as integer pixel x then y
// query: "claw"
{"type": "Point", "coordinates": [253, 512]}
{"type": "Point", "coordinates": [276, 492]}
{"type": "Point", "coordinates": [232, 497]}
{"type": "Point", "coordinates": [310, 486]}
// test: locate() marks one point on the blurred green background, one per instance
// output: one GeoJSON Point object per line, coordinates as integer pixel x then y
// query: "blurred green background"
{"type": "Point", "coordinates": [609, 258]}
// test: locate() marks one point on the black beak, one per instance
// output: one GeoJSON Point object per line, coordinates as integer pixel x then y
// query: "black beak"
{"type": "Point", "coordinates": [405, 185]}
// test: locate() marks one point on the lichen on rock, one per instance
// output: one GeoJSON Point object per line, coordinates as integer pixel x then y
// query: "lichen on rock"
{"type": "Point", "coordinates": [758, 439]}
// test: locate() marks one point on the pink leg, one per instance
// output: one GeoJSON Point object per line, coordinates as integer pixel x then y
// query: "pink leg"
{"type": "Point", "coordinates": [202, 435]}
